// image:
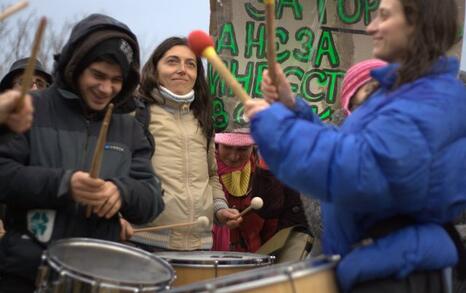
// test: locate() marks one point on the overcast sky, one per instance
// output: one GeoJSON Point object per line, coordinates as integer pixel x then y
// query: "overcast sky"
{"type": "Point", "coordinates": [151, 20]}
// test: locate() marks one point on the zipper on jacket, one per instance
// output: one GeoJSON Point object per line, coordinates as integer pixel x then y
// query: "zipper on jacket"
{"type": "Point", "coordinates": [188, 190]}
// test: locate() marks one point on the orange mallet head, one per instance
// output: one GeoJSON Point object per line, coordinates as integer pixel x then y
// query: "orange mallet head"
{"type": "Point", "coordinates": [198, 41]}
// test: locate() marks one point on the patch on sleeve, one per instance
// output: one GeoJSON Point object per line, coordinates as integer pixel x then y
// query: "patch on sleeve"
{"type": "Point", "coordinates": [40, 224]}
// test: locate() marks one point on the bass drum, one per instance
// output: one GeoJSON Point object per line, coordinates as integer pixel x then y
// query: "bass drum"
{"type": "Point", "coordinates": [312, 275]}
{"type": "Point", "coordinates": [196, 266]}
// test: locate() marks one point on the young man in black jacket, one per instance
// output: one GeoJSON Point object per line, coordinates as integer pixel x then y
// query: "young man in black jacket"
{"type": "Point", "coordinates": [44, 177]}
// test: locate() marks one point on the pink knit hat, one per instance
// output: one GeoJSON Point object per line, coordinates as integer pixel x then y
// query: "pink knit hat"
{"type": "Point", "coordinates": [356, 76]}
{"type": "Point", "coordinates": [237, 137]}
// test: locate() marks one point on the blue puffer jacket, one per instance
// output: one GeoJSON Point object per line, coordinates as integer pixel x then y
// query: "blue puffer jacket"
{"type": "Point", "coordinates": [403, 152]}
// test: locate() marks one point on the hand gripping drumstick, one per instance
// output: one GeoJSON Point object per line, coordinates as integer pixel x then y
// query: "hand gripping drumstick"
{"type": "Point", "coordinates": [31, 65]}
{"type": "Point", "coordinates": [201, 221]}
{"type": "Point", "coordinates": [270, 32]}
{"type": "Point", "coordinates": [203, 45]}
{"type": "Point", "coordinates": [99, 149]}
{"type": "Point", "coordinates": [256, 204]}
{"type": "Point", "coordinates": [12, 9]}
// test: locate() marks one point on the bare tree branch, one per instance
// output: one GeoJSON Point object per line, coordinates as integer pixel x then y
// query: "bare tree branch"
{"type": "Point", "coordinates": [17, 37]}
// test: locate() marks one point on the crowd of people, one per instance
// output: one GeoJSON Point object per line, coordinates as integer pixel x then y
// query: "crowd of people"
{"type": "Point", "coordinates": [390, 178]}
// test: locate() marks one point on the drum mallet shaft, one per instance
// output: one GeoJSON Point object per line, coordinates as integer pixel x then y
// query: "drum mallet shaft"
{"type": "Point", "coordinates": [12, 9]}
{"type": "Point", "coordinates": [99, 149]}
{"type": "Point", "coordinates": [270, 33]}
{"type": "Point", "coordinates": [201, 221]}
{"type": "Point", "coordinates": [256, 204]}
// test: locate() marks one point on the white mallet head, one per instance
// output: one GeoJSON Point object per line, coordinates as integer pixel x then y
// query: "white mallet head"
{"type": "Point", "coordinates": [203, 221]}
{"type": "Point", "coordinates": [257, 203]}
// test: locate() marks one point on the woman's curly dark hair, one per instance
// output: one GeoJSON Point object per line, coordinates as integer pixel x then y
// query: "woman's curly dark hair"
{"type": "Point", "coordinates": [202, 104]}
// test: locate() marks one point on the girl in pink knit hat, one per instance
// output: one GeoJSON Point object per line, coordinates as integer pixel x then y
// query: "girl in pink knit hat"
{"type": "Point", "coordinates": [358, 84]}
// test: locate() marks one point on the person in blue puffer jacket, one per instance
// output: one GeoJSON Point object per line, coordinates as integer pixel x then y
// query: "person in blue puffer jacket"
{"type": "Point", "coordinates": [391, 177]}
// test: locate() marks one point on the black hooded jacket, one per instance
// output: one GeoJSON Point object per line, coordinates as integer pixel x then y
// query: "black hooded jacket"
{"type": "Point", "coordinates": [35, 168]}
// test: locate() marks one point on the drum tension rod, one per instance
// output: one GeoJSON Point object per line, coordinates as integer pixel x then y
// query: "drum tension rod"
{"type": "Point", "coordinates": [289, 272]}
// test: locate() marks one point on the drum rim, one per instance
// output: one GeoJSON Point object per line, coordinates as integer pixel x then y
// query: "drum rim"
{"type": "Point", "coordinates": [254, 260]}
{"type": "Point", "coordinates": [253, 279]}
{"type": "Point", "coordinates": [64, 269]}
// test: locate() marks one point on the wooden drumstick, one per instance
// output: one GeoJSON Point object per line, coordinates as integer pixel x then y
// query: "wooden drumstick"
{"type": "Point", "coordinates": [201, 221]}
{"type": "Point", "coordinates": [99, 149]}
{"type": "Point", "coordinates": [203, 45]}
{"type": "Point", "coordinates": [31, 65]}
{"type": "Point", "coordinates": [256, 204]}
{"type": "Point", "coordinates": [270, 33]}
{"type": "Point", "coordinates": [12, 9]}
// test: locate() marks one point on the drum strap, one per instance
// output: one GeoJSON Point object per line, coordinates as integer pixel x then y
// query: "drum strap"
{"type": "Point", "coordinates": [455, 236]}
{"type": "Point", "coordinates": [398, 222]}
{"type": "Point", "coordinates": [389, 225]}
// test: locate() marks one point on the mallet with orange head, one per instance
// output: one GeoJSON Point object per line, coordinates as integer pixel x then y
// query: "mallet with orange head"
{"type": "Point", "coordinates": [203, 45]}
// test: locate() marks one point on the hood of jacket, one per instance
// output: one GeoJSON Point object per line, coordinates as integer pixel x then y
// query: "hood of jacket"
{"type": "Point", "coordinates": [98, 27]}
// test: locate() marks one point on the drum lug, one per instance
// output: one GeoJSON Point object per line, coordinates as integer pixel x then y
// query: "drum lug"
{"type": "Point", "coordinates": [96, 286]}
{"type": "Point", "coordinates": [59, 285]}
{"type": "Point", "coordinates": [42, 276]}
{"type": "Point", "coordinates": [289, 273]}
{"type": "Point", "coordinates": [216, 268]}
{"type": "Point", "coordinates": [210, 288]}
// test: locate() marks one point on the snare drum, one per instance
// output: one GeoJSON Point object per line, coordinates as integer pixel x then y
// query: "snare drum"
{"type": "Point", "coordinates": [194, 266]}
{"type": "Point", "coordinates": [90, 265]}
{"type": "Point", "coordinates": [312, 275]}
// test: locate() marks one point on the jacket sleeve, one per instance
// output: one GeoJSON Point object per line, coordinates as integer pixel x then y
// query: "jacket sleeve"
{"type": "Point", "coordinates": [219, 199]}
{"type": "Point", "coordinates": [304, 111]}
{"type": "Point", "coordinates": [362, 171]}
{"type": "Point", "coordinates": [28, 186]}
{"type": "Point", "coordinates": [5, 134]}
{"type": "Point", "coordinates": [214, 182]}
{"type": "Point", "coordinates": [141, 191]}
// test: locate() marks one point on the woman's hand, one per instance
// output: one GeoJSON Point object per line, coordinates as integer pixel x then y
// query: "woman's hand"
{"type": "Point", "coordinates": [252, 107]}
{"type": "Point", "coordinates": [229, 217]}
{"type": "Point", "coordinates": [279, 92]}
{"type": "Point", "coordinates": [126, 231]}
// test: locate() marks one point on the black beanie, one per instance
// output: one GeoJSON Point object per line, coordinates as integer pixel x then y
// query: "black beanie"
{"type": "Point", "coordinates": [118, 49]}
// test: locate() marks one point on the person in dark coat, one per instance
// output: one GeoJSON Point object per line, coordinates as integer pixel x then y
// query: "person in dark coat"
{"type": "Point", "coordinates": [44, 175]}
{"type": "Point", "coordinates": [41, 79]}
